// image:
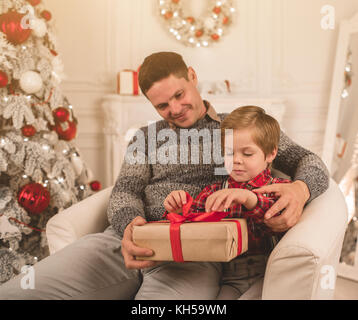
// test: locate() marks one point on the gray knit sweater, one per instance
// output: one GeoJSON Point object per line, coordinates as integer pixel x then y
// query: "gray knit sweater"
{"type": "Point", "coordinates": [141, 187]}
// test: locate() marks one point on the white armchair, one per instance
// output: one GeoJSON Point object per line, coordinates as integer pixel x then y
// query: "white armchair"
{"type": "Point", "coordinates": [303, 265]}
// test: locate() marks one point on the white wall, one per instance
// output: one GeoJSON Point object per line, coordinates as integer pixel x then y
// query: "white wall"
{"type": "Point", "coordinates": [276, 48]}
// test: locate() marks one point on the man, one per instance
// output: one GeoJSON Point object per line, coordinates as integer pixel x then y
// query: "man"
{"type": "Point", "coordinates": [104, 265]}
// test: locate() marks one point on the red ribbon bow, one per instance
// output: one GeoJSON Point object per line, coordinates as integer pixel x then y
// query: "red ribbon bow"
{"type": "Point", "coordinates": [176, 220]}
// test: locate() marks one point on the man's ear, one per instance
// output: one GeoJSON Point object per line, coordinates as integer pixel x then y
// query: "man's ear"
{"type": "Point", "coordinates": [192, 76]}
{"type": "Point", "coordinates": [271, 156]}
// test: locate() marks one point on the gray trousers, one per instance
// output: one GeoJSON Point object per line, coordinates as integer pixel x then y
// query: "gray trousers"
{"type": "Point", "coordinates": [93, 268]}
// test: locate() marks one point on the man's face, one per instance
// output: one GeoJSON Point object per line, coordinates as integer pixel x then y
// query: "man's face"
{"type": "Point", "coordinates": [177, 100]}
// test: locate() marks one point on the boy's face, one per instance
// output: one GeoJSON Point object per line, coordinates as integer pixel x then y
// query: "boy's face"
{"type": "Point", "coordinates": [244, 159]}
{"type": "Point", "coordinates": [177, 100]}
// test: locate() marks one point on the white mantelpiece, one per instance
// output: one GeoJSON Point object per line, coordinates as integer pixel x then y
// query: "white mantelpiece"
{"type": "Point", "coordinates": [123, 113]}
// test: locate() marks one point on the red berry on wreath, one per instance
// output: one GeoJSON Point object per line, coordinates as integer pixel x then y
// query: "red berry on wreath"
{"type": "Point", "coordinates": [215, 36]}
{"type": "Point", "coordinates": [34, 198]}
{"type": "Point", "coordinates": [28, 131]}
{"type": "Point", "coordinates": [61, 114]}
{"type": "Point", "coordinates": [225, 20]}
{"type": "Point", "coordinates": [217, 10]}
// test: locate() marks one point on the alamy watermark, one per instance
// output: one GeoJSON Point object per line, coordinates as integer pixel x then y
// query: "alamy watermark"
{"type": "Point", "coordinates": [328, 279]}
{"type": "Point", "coordinates": [328, 21]}
{"type": "Point", "coordinates": [29, 18]}
{"type": "Point", "coordinates": [174, 148]}
{"type": "Point", "coordinates": [28, 280]}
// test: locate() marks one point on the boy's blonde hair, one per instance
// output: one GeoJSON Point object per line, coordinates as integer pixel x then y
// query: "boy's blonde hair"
{"type": "Point", "coordinates": [266, 129]}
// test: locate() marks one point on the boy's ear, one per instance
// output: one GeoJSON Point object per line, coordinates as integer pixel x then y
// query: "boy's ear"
{"type": "Point", "coordinates": [271, 156]}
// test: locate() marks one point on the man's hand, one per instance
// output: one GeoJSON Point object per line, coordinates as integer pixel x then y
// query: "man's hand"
{"type": "Point", "coordinates": [130, 250]}
{"type": "Point", "coordinates": [225, 198]}
{"type": "Point", "coordinates": [293, 197]}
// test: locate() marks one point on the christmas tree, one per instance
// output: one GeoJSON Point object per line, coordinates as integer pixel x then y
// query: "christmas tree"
{"type": "Point", "coordinates": [41, 171]}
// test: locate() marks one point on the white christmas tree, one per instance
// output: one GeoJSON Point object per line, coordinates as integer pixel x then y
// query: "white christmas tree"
{"type": "Point", "coordinates": [41, 170]}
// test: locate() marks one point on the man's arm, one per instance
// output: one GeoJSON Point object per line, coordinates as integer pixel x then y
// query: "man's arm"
{"type": "Point", "coordinates": [126, 200]}
{"type": "Point", "coordinates": [302, 165]}
{"type": "Point", "coordinates": [126, 207]}
{"type": "Point", "coordinates": [311, 179]}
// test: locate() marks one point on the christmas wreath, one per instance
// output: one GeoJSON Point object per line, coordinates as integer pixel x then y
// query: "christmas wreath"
{"type": "Point", "coordinates": [197, 32]}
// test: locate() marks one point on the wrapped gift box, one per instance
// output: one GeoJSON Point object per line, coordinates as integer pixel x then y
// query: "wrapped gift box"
{"type": "Point", "coordinates": [127, 83]}
{"type": "Point", "coordinates": [200, 241]}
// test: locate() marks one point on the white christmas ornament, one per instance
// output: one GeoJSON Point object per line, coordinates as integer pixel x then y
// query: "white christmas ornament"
{"type": "Point", "coordinates": [77, 163]}
{"type": "Point", "coordinates": [38, 27]}
{"type": "Point", "coordinates": [58, 68]}
{"type": "Point", "coordinates": [31, 82]}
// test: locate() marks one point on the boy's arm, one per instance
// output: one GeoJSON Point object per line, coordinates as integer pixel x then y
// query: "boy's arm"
{"type": "Point", "coordinates": [198, 204]}
{"type": "Point", "coordinates": [256, 210]}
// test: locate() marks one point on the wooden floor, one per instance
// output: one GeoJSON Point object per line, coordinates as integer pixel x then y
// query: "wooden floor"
{"type": "Point", "coordinates": [346, 289]}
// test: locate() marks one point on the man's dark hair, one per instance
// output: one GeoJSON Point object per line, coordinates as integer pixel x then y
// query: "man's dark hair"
{"type": "Point", "coordinates": [159, 66]}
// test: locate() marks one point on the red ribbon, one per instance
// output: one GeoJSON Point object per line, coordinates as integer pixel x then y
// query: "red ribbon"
{"type": "Point", "coordinates": [135, 83]}
{"type": "Point", "coordinates": [176, 220]}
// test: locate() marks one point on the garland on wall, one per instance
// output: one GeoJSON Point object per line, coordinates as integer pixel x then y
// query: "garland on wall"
{"type": "Point", "coordinates": [197, 32]}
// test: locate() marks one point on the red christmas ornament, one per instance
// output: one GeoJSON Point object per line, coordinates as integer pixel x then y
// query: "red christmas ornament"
{"type": "Point", "coordinates": [46, 15]}
{"type": "Point", "coordinates": [28, 131]}
{"type": "Point", "coordinates": [61, 114]}
{"type": "Point", "coordinates": [34, 198]}
{"type": "Point", "coordinates": [34, 2]}
{"type": "Point", "coordinates": [4, 80]}
{"type": "Point", "coordinates": [95, 185]}
{"type": "Point", "coordinates": [66, 130]}
{"type": "Point", "coordinates": [10, 24]}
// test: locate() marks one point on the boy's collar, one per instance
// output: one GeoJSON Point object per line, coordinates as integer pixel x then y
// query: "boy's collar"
{"type": "Point", "coordinates": [210, 111]}
{"type": "Point", "coordinates": [261, 179]}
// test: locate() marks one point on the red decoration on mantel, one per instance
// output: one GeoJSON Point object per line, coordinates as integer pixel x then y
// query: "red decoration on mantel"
{"type": "Point", "coordinates": [10, 24]}
{"type": "Point", "coordinates": [34, 198]}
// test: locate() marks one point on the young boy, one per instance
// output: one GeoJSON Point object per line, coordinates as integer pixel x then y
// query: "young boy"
{"type": "Point", "coordinates": [248, 152]}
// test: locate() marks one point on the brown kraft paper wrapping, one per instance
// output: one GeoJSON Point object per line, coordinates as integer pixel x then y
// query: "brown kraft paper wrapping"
{"type": "Point", "coordinates": [200, 241]}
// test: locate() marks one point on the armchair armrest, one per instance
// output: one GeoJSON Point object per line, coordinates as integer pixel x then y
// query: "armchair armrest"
{"type": "Point", "coordinates": [295, 266]}
{"type": "Point", "coordinates": [85, 217]}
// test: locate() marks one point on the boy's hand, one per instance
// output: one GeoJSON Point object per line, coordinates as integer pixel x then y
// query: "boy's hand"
{"type": "Point", "coordinates": [174, 201]}
{"type": "Point", "coordinates": [224, 199]}
{"type": "Point", "coordinates": [293, 197]}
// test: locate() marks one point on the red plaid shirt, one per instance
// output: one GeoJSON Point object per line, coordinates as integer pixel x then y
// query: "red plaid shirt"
{"type": "Point", "coordinates": [261, 238]}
